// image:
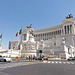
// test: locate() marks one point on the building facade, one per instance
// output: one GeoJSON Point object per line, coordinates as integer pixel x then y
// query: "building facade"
{"type": "Point", "coordinates": [50, 40]}
{"type": "Point", "coordinates": [14, 45]}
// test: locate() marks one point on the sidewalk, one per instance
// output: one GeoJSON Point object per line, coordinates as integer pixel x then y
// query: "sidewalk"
{"type": "Point", "coordinates": [24, 60]}
{"type": "Point", "coordinates": [27, 60]}
{"type": "Point", "coordinates": [55, 59]}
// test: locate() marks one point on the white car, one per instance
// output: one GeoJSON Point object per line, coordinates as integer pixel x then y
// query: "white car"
{"type": "Point", "coordinates": [5, 59]}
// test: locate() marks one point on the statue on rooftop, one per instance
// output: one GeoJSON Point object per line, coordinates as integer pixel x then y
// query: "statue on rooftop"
{"type": "Point", "coordinates": [69, 16]}
{"type": "Point", "coordinates": [29, 26]}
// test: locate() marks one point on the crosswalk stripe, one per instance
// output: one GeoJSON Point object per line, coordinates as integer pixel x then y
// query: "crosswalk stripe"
{"type": "Point", "coordinates": [45, 61]}
{"type": "Point", "coordinates": [68, 62]}
{"type": "Point", "coordinates": [49, 62]}
{"type": "Point", "coordinates": [72, 63]}
{"type": "Point", "coordinates": [60, 62]}
{"type": "Point", "coordinates": [64, 62]}
{"type": "Point", "coordinates": [52, 62]}
{"type": "Point", "coordinates": [56, 62]}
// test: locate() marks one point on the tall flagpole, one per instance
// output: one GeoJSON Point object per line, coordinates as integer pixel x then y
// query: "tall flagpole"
{"type": "Point", "coordinates": [18, 39]}
{"type": "Point", "coordinates": [1, 39]}
{"type": "Point", "coordinates": [21, 33]}
{"type": "Point", "coordinates": [21, 41]}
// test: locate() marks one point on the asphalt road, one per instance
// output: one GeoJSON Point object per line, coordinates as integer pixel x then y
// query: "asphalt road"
{"type": "Point", "coordinates": [41, 69]}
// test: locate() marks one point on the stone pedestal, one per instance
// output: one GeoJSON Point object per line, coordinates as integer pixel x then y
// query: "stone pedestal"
{"type": "Point", "coordinates": [29, 46]}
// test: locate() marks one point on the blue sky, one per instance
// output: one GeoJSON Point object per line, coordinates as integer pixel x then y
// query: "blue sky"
{"type": "Point", "coordinates": [39, 13]}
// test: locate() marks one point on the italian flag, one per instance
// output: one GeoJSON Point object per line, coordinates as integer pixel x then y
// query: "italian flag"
{"type": "Point", "coordinates": [19, 33]}
{"type": "Point", "coordinates": [1, 36]}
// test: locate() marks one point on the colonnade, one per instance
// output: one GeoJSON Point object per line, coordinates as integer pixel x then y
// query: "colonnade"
{"type": "Point", "coordinates": [48, 35]}
{"type": "Point", "coordinates": [68, 29]}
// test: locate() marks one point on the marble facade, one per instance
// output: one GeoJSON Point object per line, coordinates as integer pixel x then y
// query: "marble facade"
{"type": "Point", "coordinates": [50, 39]}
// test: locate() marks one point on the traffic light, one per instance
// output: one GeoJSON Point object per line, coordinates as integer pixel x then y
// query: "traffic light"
{"type": "Point", "coordinates": [40, 51]}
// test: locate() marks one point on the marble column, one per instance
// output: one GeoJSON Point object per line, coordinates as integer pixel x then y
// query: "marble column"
{"type": "Point", "coordinates": [41, 36]}
{"type": "Point", "coordinates": [69, 29]}
{"type": "Point", "coordinates": [49, 35]}
{"type": "Point", "coordinates": [63, 29]}
{"type": "Point", "coordinates": [52, 35]}
{"type": "Point", "coordinates": [72, 28]}
{"type": "Point", "coordinates": [44, 36]}
{"type": "Point", "coordinates": [66, 30]}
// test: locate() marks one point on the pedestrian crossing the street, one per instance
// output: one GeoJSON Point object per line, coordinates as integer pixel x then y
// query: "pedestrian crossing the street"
{"type": "Point", "coordinates": [58, 62]}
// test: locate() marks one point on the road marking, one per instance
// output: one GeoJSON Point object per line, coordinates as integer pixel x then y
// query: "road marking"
{"type": "Point", "coordinates": [48, 61]}
{"type": "Point", "coordinates": [72, 63]}
{"type": "Point", "coordinates": [64, 62]}
{"type": "Point", "coordinates": [68, 62]}
{"type": "Point", "coordinates": [45, 61]}
{"type": "Point", "coordinates": [60, 62]}
{"type": "Point", "coordinates": [56, 62]}
{"type": "Point", "coordinates": [52, 62]}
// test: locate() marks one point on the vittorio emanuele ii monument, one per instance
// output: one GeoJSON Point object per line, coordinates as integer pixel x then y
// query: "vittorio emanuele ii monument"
{"type": "Point", "coordinates": [57, 40]}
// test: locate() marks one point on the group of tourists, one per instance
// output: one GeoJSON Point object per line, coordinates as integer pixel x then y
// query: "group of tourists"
{"type": "Point", "coordinates": [31, 57]}
{"type": "Point", "coordinates": [37, 58]}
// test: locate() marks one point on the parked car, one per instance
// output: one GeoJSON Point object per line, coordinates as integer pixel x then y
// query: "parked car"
{"type": "Point", "coordinates": [71, 58]}
{"type": "Point", "coordinates": [5, 59]}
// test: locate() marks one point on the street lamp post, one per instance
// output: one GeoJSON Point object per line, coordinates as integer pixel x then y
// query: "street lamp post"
{"type": "Point", "coordinates": [40, 51]}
